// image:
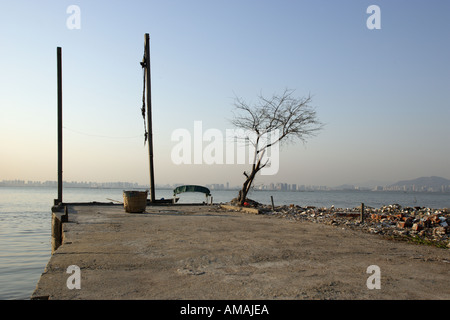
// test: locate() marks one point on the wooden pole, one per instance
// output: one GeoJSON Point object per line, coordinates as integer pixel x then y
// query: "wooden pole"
{"type": "Point", "coordinates": [60, 179]}
{"type": "Point", "coordinates": [362, 212]}
{"type": "Point", "coordinates": [273, 206]}
{"type": "Point", "coordinates": [149, 116]}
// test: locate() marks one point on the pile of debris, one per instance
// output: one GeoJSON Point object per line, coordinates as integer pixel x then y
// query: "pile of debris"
{"type": "Point", "coordinates": [423, 225]}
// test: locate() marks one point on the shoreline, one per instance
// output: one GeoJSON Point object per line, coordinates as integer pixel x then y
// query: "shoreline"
{"type": "Point", "coordinates": [421, 225]}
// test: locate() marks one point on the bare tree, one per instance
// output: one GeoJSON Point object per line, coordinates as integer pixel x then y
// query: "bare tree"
{"type": "Point", "coordinates": [292, 118]}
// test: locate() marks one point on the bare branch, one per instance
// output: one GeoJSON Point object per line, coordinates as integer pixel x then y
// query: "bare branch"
{"type": "Point", "coordinates": [294, 118]}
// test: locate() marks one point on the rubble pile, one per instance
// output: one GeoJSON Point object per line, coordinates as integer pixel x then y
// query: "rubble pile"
{"type": "Point", "coordinates": [423, 225]}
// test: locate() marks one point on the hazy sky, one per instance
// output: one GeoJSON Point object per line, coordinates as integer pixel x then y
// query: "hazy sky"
{"type": "Point", "coordinates": [384, 94]}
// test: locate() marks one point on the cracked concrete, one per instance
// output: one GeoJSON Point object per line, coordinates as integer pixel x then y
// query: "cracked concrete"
{"type": "Point", "coordinates": [204, 252]}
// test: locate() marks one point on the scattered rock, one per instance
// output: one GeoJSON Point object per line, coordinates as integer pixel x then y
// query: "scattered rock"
{"type": "Point", "coordinates": [392, 221]}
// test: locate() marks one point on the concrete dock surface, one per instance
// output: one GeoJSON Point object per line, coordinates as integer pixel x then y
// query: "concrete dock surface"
{"type": "Point", "coordinates": [206, 252]}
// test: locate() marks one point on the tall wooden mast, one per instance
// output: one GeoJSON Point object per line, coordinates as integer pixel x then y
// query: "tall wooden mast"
{"type": "Point", "coordinates": [149, 115]}
{"type": "Point", "coordinates": [60, 139]}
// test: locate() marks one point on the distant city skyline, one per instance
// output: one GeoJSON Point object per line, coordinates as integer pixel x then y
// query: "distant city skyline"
{"type": "Point", "coordinates": [279, 186]}
{"type": "Point", "coordinates": [378, 83]}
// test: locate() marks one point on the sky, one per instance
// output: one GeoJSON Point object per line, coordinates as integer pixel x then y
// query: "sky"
{"type": "Point", "coordinates": [382, 93]}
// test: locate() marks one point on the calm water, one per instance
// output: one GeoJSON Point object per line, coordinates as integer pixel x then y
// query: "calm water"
{"type": "Point", "coordinates": [25, 221]}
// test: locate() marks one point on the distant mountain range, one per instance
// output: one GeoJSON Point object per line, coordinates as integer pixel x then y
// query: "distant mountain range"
{"type": "Point", "coordinates": [424, 183]}
{"type": "Point", "coordinates": [433, 182]}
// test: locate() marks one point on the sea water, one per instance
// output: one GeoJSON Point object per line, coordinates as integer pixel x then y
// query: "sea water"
{"type": "Point", "coordinates": [25, 220]}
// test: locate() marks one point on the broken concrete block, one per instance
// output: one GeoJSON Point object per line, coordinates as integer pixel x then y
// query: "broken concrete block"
{"type": "Point", "coordinates": [401, 224]}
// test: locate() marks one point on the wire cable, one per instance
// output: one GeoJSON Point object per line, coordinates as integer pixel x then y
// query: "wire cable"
{"type": "Point", "coordinates": [100, 136]}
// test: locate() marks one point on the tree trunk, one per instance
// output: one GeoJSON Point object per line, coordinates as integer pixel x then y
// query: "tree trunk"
{"type": "Point", "coordinates": [246, 188]}
{"type": "Point", "coordinates": [249, 181]}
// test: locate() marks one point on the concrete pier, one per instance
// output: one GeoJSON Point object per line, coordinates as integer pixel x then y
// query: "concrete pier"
{"type": "Point", "coordinates": [207, 252]}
